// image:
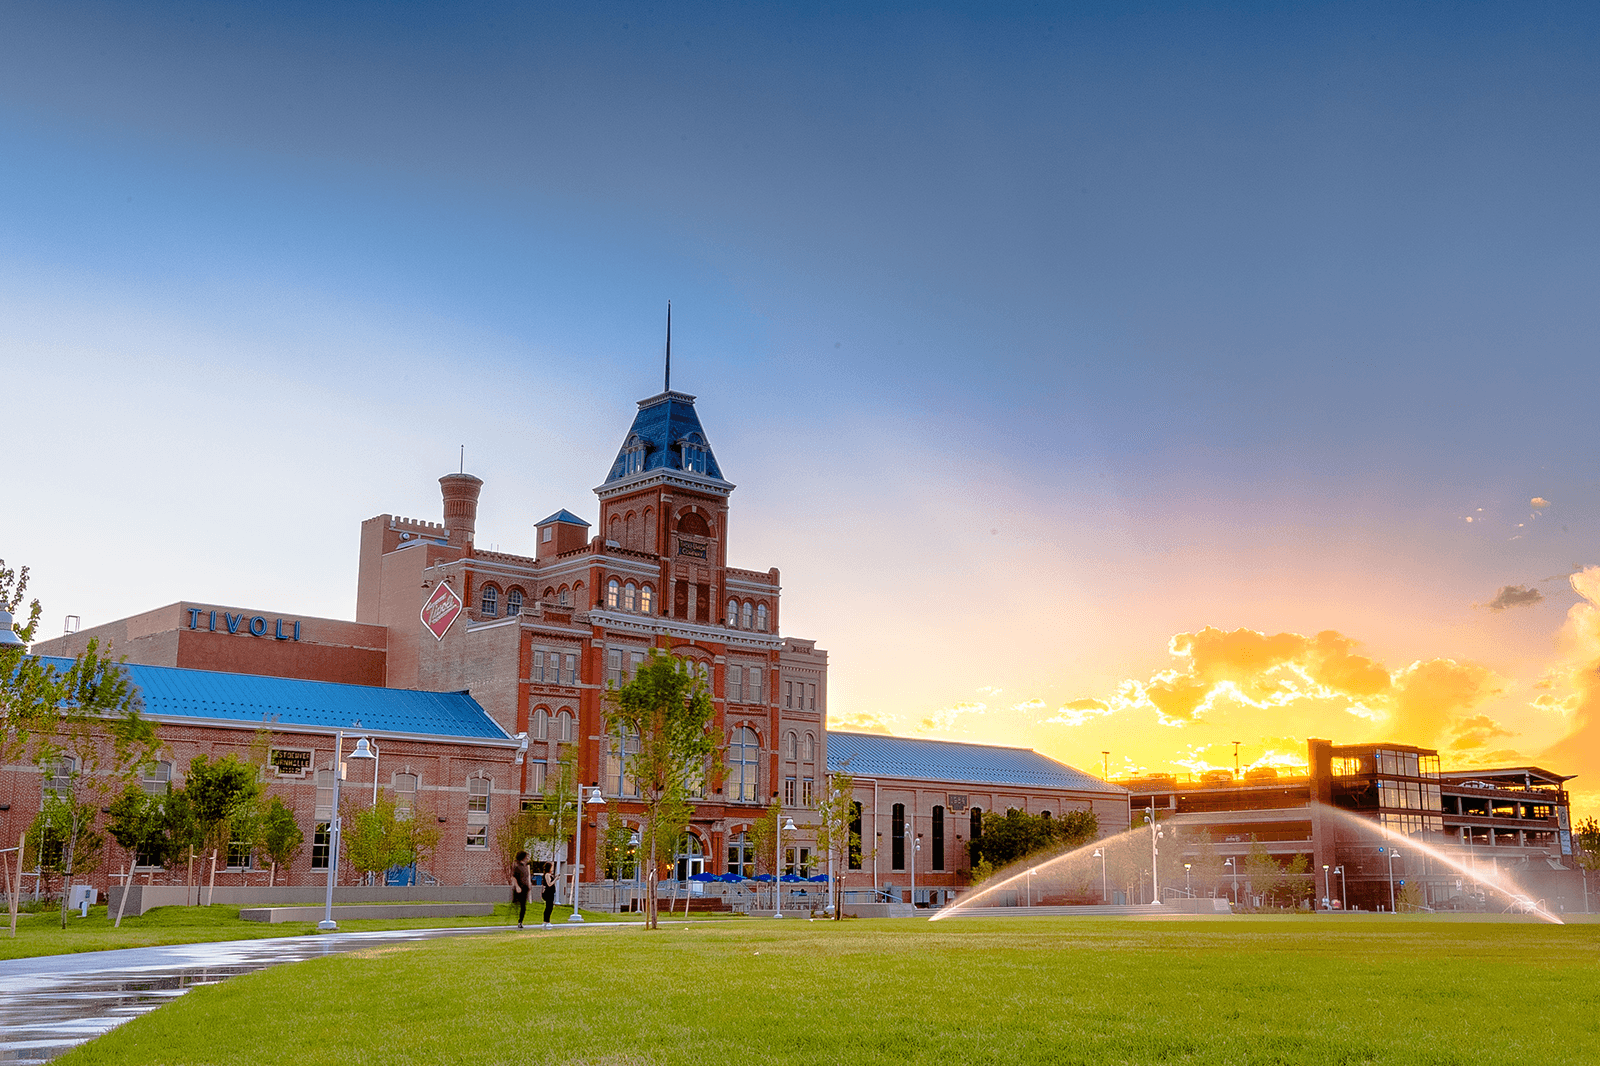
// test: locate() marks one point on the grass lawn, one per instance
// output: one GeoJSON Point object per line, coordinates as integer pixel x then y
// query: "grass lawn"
{"type": "Point", "coordinates": [1102, 991]}
{"type": "Point", "coordinates": [41, 934]}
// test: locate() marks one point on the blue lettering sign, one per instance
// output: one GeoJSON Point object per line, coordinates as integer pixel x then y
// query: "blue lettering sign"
{"type": "Point", "coordinates": [297, 629]}
{"type": "Point", "coordinates": [213, 621]}
{"type": "Point", "coordinates": [258, 626]}
{"type": "Point", "coordinates": [278, 633]}
{"type": "Point", "coordinates": [233, 620]}
{"type": "Point", "coordinates": [194, 618]}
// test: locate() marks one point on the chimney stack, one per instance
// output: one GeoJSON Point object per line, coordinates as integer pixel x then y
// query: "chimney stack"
{"type": "Point", "coordinates": [460, 507]}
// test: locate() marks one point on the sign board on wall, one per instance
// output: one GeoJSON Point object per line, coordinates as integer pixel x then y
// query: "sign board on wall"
{"type": "Point", "coordinates": [440, 610]}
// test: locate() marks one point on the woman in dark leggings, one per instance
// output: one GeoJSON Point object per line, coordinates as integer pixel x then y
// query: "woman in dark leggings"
{"type": "Point", "coordinates": [549, 896]}
{"type": "Point", "coordinates": [521, 885]}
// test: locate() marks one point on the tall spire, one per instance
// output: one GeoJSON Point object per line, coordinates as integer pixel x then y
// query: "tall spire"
{"type": "Point", "coordinates": [667, 386]}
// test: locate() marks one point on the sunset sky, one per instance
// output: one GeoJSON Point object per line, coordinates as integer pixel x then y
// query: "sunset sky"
{"type": "Point", "coordinates": [1123, 377]}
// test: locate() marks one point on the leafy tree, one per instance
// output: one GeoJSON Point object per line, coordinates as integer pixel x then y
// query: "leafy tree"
{"type": "Point", "coordinates": [521, 832]}
{"type": "Point", "coordinates": [1586, 850]}
{"type": "Point", "coordinates": [836, 836]}
{"type": "Point", "coordinates": [377, 841]}
{"type": "Point", "coordinates": [1016, 835]}
{"type": "Point", "coordinates": [1408, 898]}
{"type": "Point", "coordinates": [62, 840]}
{"type": "Point", "coordinates": [139, 823]}
{"type": "Point", "coordinates": [281, 836]}
{"type": "Point", "coordinates": [28, 688]}
{"type": "Point", "coordinates": [547, 825]}
{"type": "Point", "coordinates": [668, 708]}
{"type": "Point", "coordinates": [1261, 871]}
{"type": "Point", "coordinates": [224, 796]}
{"type": "Point", "coordinates": [1208, 872]}
{"type": "Point", "coordinates": [762, 837]}
{"type": "Point", "coordinates": [618, 852]}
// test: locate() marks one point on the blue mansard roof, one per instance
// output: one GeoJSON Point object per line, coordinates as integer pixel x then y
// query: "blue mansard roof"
{"type": "Point", "coordinates": [562, 515]}
{"type": "Point", "coordinates": [876, 755]}
{"type": "Point", "coordinates": [664, 424]}
{"type": "Point", "coordinates": [176, 692]}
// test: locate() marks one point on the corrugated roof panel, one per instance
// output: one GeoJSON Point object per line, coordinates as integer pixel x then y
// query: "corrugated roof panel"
{"type": "Point", "coordinates": [876, 755]}
{"type": "Point", "coordinates": [177, 692]}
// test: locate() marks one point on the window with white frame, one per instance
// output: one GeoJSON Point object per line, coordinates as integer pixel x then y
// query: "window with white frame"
{"type": "Point", "coordinates": [761, 617]}
{"type": "Point", "coordinates": [635, 660]}
{"type": "Point", "coordinates": [566, 728]}
{"type": "Point", "coordinates": [536, 772]}
{"type": "Point", "coordinates": [319, 845]}
{"type": "Point", "coordinates": [741, 856]}
{"type": "Point", "coordinates": [58, 777]}
{"type": "Point", "coordinates": [744, 614]}
{"type": "Point", "coordinates": [811, 697]}
{"type": "Point", "coordinates": [477, 799]}
{"type": "Point", "coordinates": [646, 599]}
{"type": "Point", "coordinates": [743, 766]}
{"type": "Point", "coordinates": [736, 683]}
{"type": "Point", "coordinates": [477, 836]}
{"type": "Point", "coordinates": [614, 667]}
{"type": "Point", "coordinates": [788, 791]}
{"type": "Point", "coordinates": [630, 597]}
{"type": "Point", "coordinates": [537, 673]}
{"type": "Point", "coordinates": [807, 791]}
{"type": "Point", "coordinates": [619, 749]}
{"type": "Point", "coordinates": [324, 811]}
{"type": "Point", "coordinates": [791, 747]}
{"type": "Point", "coordinates": [405, 794]}
{"type": "Point", "coordinates": [156, 777]}
{"type": "Point", "coordinates": [733, 613]}
{"type": "Point", "coordinates": [571, 670]}
{"type": "Point", "coordinates": [513, 603]}
{"type": "Point", "coordinates": [239, 854]}
{"type": "Point", "coordinates": [541, 724]}
{"type": "Point", "coordinates": [788, 693]}
{"type": "Point", "coordinates": [563, 596]}
{"type": "Point", "coordinates": [491, 601]}
{"type": "Point", "coordinates": [756, 673]}
{"type": "Point", "coordinates": [811, 747]}
{"type": "Point", "coordinates": [613, 593]}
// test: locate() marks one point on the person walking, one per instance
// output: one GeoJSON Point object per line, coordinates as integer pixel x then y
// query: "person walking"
{"type": "Point", "coordinates": [549, 880]}
{"type": "Point", "coordinates": [521, 886]}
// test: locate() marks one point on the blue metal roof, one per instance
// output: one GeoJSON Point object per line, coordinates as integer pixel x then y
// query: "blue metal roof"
{"type": "Point", "coordinates": [664, 422]}
{"type": "Point", "coordinates": [876, 755]}
{"type": "Point", "coordinates": [176, 692]}
{"type": "Point", "coordinates": [562, 515]}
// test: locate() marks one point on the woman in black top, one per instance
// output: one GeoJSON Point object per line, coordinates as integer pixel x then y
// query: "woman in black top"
{"type": "Point", "coordinates": [549, 896]}
{"type": "Point", "coordinates": [521, 885]}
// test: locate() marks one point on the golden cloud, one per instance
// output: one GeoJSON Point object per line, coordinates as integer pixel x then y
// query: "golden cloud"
{"type": "Point", "coordinates": [1579, 675]}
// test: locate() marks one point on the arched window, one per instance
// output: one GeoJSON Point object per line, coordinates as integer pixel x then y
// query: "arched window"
{"type": "Point", "coordinates": [541, 724]}
{"type": "Point", "coordinates": [616, 529]}
{"type": "Point", "coordinates": [1044, 814]}
{"type": "Point", "coordinates": [694, 525]}
{"type": "Point", "coordinates": [491, 601]}
{"type": "Point", "coordinates": [577, 595]}
{"type": "Point", "coordinates": [549, 594]}
{"type": "Point", "coordinates": [613, 593]}
{"type": "Point", "coordinates": [691, 857]}
{"type": "Point", "coordinates": [630, 597]}
{"type": "Point", "coordinates": [897, 837]}
{"type": "Point", "coordinates": [743, 766]}
{"type": "Point", "coordinates": [563, 597]}
{"type": "Point", "coordinates": [761, 617]}
{"type": "Point", "coordinates": [564, 729]}
{"type": "Point", "coordinates": [733, 612]}
{"type": "Point", "coordinates": [513, 603]}
{"type": "Point", "coordinates": [811, 747]}
{"type": "Point", "coordinates": [790, 747]}
{"type": "Point", "coordinates": [646, 599]}
{"type": "Point", "coordinates": [745, 613]}
{"type": "Point", "coordinates": [936, 857]}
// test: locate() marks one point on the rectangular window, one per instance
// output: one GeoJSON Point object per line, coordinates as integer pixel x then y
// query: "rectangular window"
{"type": "Point", "coordinates": [614, 668]}
{"type": "Point", "coordinates": [58, 779]}
{"type": "Point", "coordinates": [635, 660]}
{"type": "Point", "coordinates": [239, 855]}
{"type": "Point", "coordinates": [324, 810]}
{"type": "Point", "coordinates": [788, 792]}
{"type": "Point", "coordinates": [572, 670]}
{"type": "Point", "coordinates": [319, 847]}
{"type": "Point", "coordinates": [736, 684]}
{"type": "Point", "coordinates": [538, 664]}
{"type": "Point", "coordinates": [755, 684]}
{"type": "Point", "coordinates": [477, 797]}
{"type": "Point", "coordinates": [806, 787]}
{"type": "Point", "coordinates": [788, 693]}
{"type": "Point", "coordinates": [536, 770]}
{"type": "Point", "coordinates": [477, 836]}
{"type": "Point", "coordinates": [405, 794]}
{"type": "Point", "coordinates": [158, 776]}
{"type": "Point", "coordinates": [811, 697]}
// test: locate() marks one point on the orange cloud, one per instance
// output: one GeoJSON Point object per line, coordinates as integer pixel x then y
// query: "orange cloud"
{"type": "Point", "coordinates": [1579, 751]}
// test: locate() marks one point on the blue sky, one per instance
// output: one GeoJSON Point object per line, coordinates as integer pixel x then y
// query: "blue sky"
{"type": "Point", "coordinates": [1044, 333]}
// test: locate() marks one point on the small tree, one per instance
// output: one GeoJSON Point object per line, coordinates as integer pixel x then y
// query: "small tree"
{"type": "Point", "coordinates": [553, 819]}
{"type": "Point", "coordinates": [281, 836]}
{"type": "Point", "coordinates": [1262, 871]}
{"type": "Point", "coordinates": [62, 840]}
{"type": "Point", "coordinates": [668, 708]}
{"type": "Point", "coordinates": [836, 835]}
{"type": "Point", "coordinates": [1586, 838]}
{"type": "Point", "coordinates": [139, 823]}
{"type": "Point", "coordinates": [224, 797]}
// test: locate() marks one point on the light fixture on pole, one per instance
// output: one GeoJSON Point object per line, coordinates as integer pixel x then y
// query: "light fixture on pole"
{"type": "Point", "coordinates": [8, 632]}
{"type": "Point", "coordinates": [788, 826]}
{"type": "Point", "coordinates": [1327, 889]}
{"type": "Point", "coordinates": [1187, 883]}
{"type": "Point", "coordinates": [1031, 872]}
{"type": "Point", "coordinates": [916, 849]}
{"type": "Point", "coordinates": [1344, 893]}
{"type": "Point", "coordinates": [366, 751]}
{"type": "Point", "coordinates": [1100, 854]}
{"type": "Point", "coordinates": [595, 799]}
{"type": "Point", "coordinates": [1155, 877]}
{"type": "Point", "coordinates": [1390, 853]}
{"type": "Point", "coordinates": [328, 925]}
{"type": "Point", "coordinates": [1230, 864]}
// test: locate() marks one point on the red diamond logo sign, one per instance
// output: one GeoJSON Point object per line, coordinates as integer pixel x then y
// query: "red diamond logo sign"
{"type": "Point", "coordinates": [441, 610]}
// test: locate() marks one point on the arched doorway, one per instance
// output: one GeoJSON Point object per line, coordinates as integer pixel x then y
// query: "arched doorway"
{"type": "Point", "coordinates": [691, 858]}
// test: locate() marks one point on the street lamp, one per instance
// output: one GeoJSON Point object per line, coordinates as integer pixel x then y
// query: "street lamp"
{"type": "Point", "coordinates": [1187, 889]}
{"type": "Point", "coordinates": [1155, 878]}
{"type": "Point", "coordinates": [328, 925]}
{"type": "Point", "coordinates": [8, 632]}
{"type": "Point", "coordinates": [1230, 864]}
{"type": "Point", "coordinates": [363, 751]}
{"type": "Point", "coordinates": [1100, 854]}
{"type": "Point", "coordinates": [1327, 890]}
{"type": "Point", "coordinates": [777, 885]}
{"type": "Point", "coordinates": [1344, 893]}
{"type": "Point", "coordinates": [595, 799]}
{"type": "Point", "coordinates": [1390, 852]}
{"type": "Point", "coordinates": [916, 847]}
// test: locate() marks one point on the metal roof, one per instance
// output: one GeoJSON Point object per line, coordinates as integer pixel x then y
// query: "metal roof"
{"type": "Point", "coordinates": [663, 422]}
{"type": "Point", "coordinates": [175, 692]}
{"type": "Point", "coordinates": [562, 515]}
{"type": "Point", "coordinates": [876, 755]}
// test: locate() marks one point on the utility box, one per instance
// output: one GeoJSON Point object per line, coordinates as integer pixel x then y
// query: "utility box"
{"type": "Point", "coordinates": [81, 898]}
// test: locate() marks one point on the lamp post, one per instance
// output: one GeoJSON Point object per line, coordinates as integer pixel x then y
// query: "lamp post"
{"type": "Point", "coordinates": [1100, 854]}
{"type": "Point", "coordinates": [1030, 885]}
{"type": "Point", "coordinates": [8, 634]}
{"type": "Point", "coordinates": [1327, 889]}
{"type": "Point", "coordinates": [1187, 883]}
{"type": "Point", "coordinates": [916, 847]}
{"type": "Point", "coordinates": [1390, 853]}
{"type": "Point", "coordinates": [595, 799]}
{"type": "Point", "coordinates": [1344, 893]}
{"type": "Point", "coordinates": [328, 925]}
{"type": "Point", "coordinates": [777, 884]}
{"type": "Point", "coordinates": [1230, 864]}
{"type": "Point", "coordinates": [1155, 877]}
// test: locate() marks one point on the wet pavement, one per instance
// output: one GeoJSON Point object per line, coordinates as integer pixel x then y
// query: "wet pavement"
{"type": "Point", "coordinates": [51, 1004]}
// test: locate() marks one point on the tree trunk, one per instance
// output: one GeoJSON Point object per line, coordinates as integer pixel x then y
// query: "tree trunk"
{"type": "Point", "coordinates": [122, 904]}
{"type": "Point", "coordinates": [66, 878]}
{"type": "Point", "coordinates": [211, 890]}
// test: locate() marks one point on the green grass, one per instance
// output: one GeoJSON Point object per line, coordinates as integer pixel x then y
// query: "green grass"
{"type": "Point", "coordinates": [41, 934]}
{"type": "Point", "coordinates": [973, 991]}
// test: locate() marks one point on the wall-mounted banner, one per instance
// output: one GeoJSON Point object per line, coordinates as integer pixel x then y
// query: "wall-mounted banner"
{"type": "Point", "coordinates": [254, 625]}
{"type": "Point", "coordinates": [441, 610]}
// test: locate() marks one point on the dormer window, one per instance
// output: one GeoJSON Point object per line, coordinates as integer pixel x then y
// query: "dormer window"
{"type": "Point", "coordinates": [692, 453]}
{"type": "Point", "coordinates": [632, 456]}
